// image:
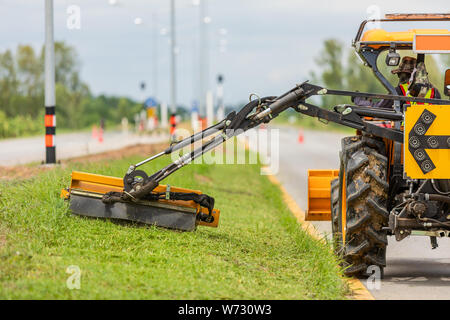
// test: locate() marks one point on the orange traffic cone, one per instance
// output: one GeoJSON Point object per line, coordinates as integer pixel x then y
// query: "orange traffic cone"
{"type": "Point", "coordinates": [204, 123]}
{"type": "Point", "coordinates": [94, 132]}
{"type": "Point", "coordinates": [100, 135]}
{"type": "Point", "coordinates": [300, 136]}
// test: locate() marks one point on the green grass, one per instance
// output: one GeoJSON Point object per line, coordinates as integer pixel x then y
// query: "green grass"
{"type": "Point", "coordinates": [258, 252]}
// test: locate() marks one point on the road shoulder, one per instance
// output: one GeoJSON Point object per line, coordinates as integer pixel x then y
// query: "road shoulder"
{"type": "Point", "coordinates": [359, 291]}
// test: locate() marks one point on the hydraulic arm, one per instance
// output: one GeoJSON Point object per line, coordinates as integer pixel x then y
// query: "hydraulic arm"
{"type": "Point", "coordinates": [137, 184]}
{"type": "Point", "coordinates": [139, 197]}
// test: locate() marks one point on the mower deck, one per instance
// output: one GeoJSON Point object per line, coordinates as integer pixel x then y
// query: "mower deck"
{"type": "Point", "coordinates": [86, 192]}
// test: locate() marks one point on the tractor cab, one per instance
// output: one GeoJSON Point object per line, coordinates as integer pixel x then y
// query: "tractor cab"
{"type": "Point", "coordinates": [387, 186]}
{"type": "Point", "coordinates": [370, 44]}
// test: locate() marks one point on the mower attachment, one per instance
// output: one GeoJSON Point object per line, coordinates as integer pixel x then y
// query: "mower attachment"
{"type": "Point", "coordinates": [86, 193]}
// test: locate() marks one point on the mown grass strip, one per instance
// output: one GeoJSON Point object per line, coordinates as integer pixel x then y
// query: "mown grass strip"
{"type": "Point", "coordinates": [358, 290]}
{"type": "Point", "coordinates": [258, 252]}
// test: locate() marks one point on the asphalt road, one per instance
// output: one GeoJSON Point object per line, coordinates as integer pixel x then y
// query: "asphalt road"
{"type": "Point", "coordinates": [413, 271]}
{"type": "Point", "coordinates": [25, 150]}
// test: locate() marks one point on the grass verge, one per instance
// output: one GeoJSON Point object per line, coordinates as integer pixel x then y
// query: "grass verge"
{"type": "Point", "coordinates": [258, 252]}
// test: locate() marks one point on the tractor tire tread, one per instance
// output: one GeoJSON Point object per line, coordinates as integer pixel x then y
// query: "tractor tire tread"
{"type": "Point", "coordinates": [365, 166]}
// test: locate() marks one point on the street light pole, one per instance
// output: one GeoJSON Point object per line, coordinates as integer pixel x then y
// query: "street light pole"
{"type": "Point", "coordinates": [155, 55]}
{"type": "Point", "coordinates": [50, 121]}
{"type": "Point", "coordinates": [202, 39]}
{"type": "Point", "coordinates": [173, 88]}
{"type": "Point", "coordinates": [204, 56]}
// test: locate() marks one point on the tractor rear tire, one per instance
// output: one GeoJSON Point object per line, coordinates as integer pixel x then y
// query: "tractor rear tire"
{"type": "Point", "coordinates": [364, 161]}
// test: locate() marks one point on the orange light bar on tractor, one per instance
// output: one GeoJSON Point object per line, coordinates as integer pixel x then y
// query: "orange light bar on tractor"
{"type": "Point", "coordinates": [426, 16]}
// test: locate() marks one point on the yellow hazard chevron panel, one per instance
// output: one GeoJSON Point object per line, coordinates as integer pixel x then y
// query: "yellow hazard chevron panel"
{"type": "Point", "coordinates": [427, 142]}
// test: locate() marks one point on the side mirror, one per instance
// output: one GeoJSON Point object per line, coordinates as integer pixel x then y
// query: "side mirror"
{"type": "Point", "coordinates": [447, 83]}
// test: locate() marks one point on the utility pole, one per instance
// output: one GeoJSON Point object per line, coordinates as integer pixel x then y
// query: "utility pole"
{"type": "Point", "coordinates": [203, 55]}
{"type": "Point", "coordinates": [50, 120]}
{"type": "Point", "coordinates": [173, 89]}
{"type": "Point", "coordinates": [155, 55]}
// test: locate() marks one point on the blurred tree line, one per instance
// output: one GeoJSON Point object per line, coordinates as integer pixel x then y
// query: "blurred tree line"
{"type": "Point", "coordinates": [22, 94]}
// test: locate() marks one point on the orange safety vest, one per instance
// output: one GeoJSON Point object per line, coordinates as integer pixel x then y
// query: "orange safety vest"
{"type": "Point", "coordinates": [404, 87]}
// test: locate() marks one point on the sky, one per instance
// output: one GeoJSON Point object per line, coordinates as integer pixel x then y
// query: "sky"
{"type": "Point", "coordinates": [270, 45]}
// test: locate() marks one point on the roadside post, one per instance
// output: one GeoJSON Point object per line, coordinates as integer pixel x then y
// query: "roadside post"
{"type": "Point", "coordinates": [163, 115]}
{"type": "Point", "coordinates": [50, 120]}
{"type": "Point", "coordinates": [173, 127]}
{"type": "Point", "coordinates": [220, 106]}
{"type": "Point", "coordinates": [209, 108]}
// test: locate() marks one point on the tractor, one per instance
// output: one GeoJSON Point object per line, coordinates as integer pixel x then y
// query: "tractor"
{"type": "Point", "coordinates": [387, 186]}
{"type": "Point", "coordinates": [394, 175]}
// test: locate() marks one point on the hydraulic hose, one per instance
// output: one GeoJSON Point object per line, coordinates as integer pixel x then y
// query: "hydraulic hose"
{"type": "Point", "coordinates": [437, 197]}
